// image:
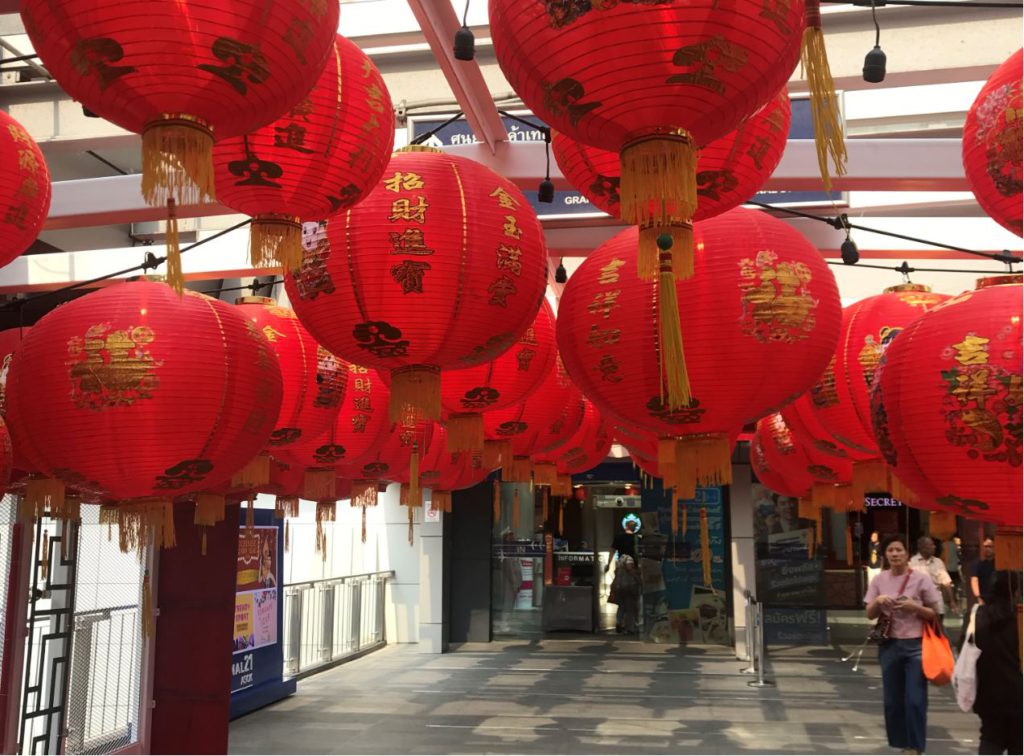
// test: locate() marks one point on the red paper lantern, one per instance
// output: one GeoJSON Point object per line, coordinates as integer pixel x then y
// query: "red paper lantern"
{"type": "Point", "coordinates": [6, 456]}
{"type": "Point", "coordinates": [443, 471]}
{"type": "Point", "coordinates": [787, 467]}
{"type": "Point", "coordinates": [730, 170]}
{"type": "Point", "coordinates": [442, 266]}
{"type": "Point", "coordinates": [24, 189]}
{"type": "Point", "coordinates": [545, 420]}
{"type": "Point", "coordinates": [133, 393]}
{"type": "Point", "coordinates": [314, 380]}
{"type": "Point", "coordinates": [992, 155]}
{"type": "Point", "coordinates": [704, 68]}
{"type": "Point", "coordinates": [760, 320]}
{"type": "Point", "coordinates": [947, 402]}
{"type": "Point", "coordinates": [10, 342]}
{"type": "Point", "coordinates": [589, 445]}
{"type": "Point", "coordinates": [319, 158]}
{"type": "Point", "coordinates": [355, 434]}
{"type": "Point", "coordinates": [395, 459]}
{"type": "Point", "coordinates": [501, 383]}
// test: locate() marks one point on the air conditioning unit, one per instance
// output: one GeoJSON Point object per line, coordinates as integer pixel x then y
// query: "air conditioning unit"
{"type": "Point", "coordinates": [156, 231]}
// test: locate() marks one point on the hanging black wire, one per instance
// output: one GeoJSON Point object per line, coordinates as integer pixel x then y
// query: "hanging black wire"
{"type": "Point", "coordinates": [907, 270]}
{"type": "Point", "coordinates": [425, 136]}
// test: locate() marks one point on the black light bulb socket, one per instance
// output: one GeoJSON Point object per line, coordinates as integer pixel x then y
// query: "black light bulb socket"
{"type": "Point", "coordinates": [560, 275]}
{"type": "Point", "coordinates": [465, 44]}
{"type": "Point", "coordinates": [88, 113]}
{"type": "Point", "coordinates": [546, 192]}
{"type": "Point", "coordinates": [874, 66]}
{"type": "Point", "coordinates": [849, 252]}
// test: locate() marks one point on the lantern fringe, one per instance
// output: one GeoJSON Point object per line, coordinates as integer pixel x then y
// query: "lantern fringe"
{"type": "Point", "coordinates": [415, 394]}
{"type": "Point", "coordinates": [521, 470]}
{"type": "Point", "coordinates": [544, 505]}
{"type": "Point", "coordinates": [255, 474]}
{"type": "Point", "coordinates": [563, 486]}
{"type": "Point", "coordinates": [545, 474]}
{"type": "Point", "coordinates": [326, 511]}
{"type": "Point", "coordinates": [250, 516]}
{"type": "Point", "coordinates": [1009, 553]}
{"type": "Point", "coordinates": [141, 521]}
{"type": "Point", "coordinates": [148, 615]}
{"type": "Point", "coordinates": [362, 518]}
{"type": "Point", "coordinates": [404, 493]}
{"type": "Point", "coordinates": [43, 495]}
{"type": "Point", "coordinates": [823, 495]}
{"type": "Point", "coordinates": [705, 546]}
{"type": "Point", "coordinates": [674, 380]}
{"type": "Point", "coordinates": [499, 454]}
{"type": "Point", "coordinates": [667, 461]}
{"type": "Point", "coordinates": [287, 536]}
{"type": "Point", "coordinates": [286, 506]}
{"type": "Point", "coordinates": [844, 501]}
{"type": "Point", "coordinates": [364, 493]}
{"type": "Point", "coordinates": [209, 509]}
{"type": "Point", "coordinates": [870, 475]}
{"type": "Point", "coordinates": [942, 525]}
{"type": "Point", "coordinates": [175, 276]}
{"type": "Point", "coordinates": [108, 517]}
{"type": "Point", "coordinates": [496, 501]}
{"type": "Point", "coordinates": [561, 517]}
{"type": "Point", "coordinates": [177, 161]}
{"type": "Point", "coordinates": [415, 491]}
{"type": "Point", "coordinates": [465, 432]}
{"type": "Point", "coordinates": [411, 520]}
{"type": "Point", "coordinates": [805, 508]}
{"type": "Point", "coordinates": [902, 491]}
{"type": "Point", "coordinates": [72, 513]}
{"type": "Point", "coordinates": [515, 508]}
{"type": "Point", "coordinates": [682, 246]}
{"type": "Point", "coordinates": [275, 240]}
{"type": "Point", "coordinates": [704, 460]}
{"type": "Point", "coordinates": [658, 185]}
{"type": "Point", "coordinates": [819, 535]}
{"type": "Point", "coordinates": [828, 129]}
{"type": "Point", "coordinates": [44, 558]}
{"type": "Point", "coordinates": [318, 484]}
{"type": "Point", "coordinates": [442, 500]}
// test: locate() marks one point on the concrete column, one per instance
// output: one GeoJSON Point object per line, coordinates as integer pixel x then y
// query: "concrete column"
{"type": "Point", "coordinates": [431, 575]}
{"type": "Point", "coordinates": [741, 520]}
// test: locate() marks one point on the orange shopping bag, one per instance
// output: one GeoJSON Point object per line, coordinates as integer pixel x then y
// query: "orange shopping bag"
{"type": "Point", "coordinates": [936, 655]}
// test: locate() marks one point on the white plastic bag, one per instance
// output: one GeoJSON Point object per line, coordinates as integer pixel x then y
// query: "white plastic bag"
{"type": "Point", "coordinates": [965, 672]}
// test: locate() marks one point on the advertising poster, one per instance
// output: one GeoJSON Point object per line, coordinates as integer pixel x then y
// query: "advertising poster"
{"type": "Point", "coordinates": [256, 601]}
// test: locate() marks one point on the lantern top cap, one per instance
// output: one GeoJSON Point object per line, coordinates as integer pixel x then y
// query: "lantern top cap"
{"type": "Point", "coordinates": [255, 300]}
{"type": "Point", "coordinates": [1009, 279]}
{"type": "Point", "coordinates": [419, 148]}
{"type": "Point", "coordinates": [906, 287]}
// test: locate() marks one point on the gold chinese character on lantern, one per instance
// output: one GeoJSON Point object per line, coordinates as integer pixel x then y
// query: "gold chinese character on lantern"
{"type": "Point", "coordinates": [500, 290]}
{"type": "Point", "coordinates": [403, 209]}
{"type": "Point", "coordinates": [505, 200]}
{"type": "Point", "coordinates": [508, 258]}
{"type": "Point", "coordinates": [973, 350]}
{"type": "Point", "coordinates": [609, 274]}
{"type": "Point", "coordinates": [776, 298]}
{"type": "Point", "coordinates": [409, 242]}
{"type": "Point", "coordinates": [403, 181]}
{"type": "Point", "coordinates": [271, 334]}
{"type": "Point", "coordinates": [598, 338]}
{"type": "Point", "coordinates": [604, 302]}
{"type": "Point", "coordinates": [973, 387]}
{"type": "Point", "coordinates": [511, 228]}
{"type": "Point", "coordinates": [18, 134]}
{"type": "Point", "coordinates": [608, 367]}
{"type": "Point", "coordinates": [27, 160]}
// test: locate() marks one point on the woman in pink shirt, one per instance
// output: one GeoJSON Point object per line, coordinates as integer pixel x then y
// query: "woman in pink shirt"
{"type": "Point", "coordinates": [909, 599]}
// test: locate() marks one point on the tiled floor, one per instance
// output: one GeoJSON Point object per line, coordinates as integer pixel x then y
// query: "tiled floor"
{"type": "Point", "coordinates": [598, 695]}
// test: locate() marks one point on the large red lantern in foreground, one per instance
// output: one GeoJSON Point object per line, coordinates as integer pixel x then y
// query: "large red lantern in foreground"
{"type": "Point", "coordinates": [992, 152]}
{"type": "Point", "coordinates": [759, 322]}
{"type": "Point", "coordinates": [504, 381]}
{"type": "Point", "coordinates": [133, 393]}
{"type": "Point", "coordinates": [730, 170]}
{"type": "Point", "coordinates": [314, 380]}
{"type": "Point", "coordinates": [24, 189]}
{"type": "Point", "coordinates": [319, 158]}
{"type": "Point", "coordinates": [442, 266]}
{"type": "Point", "coordinates": [947, 403]}
{"type": "Point", "coordinates": [704, 68]}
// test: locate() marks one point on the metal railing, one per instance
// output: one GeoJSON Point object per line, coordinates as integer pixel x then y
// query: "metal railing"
{"type": "Point", "coordinates": [328, 621]}
{"type": "Point", "coordinates": [103, 700]}
{"type": "Point", "coordinates": [754, 639]}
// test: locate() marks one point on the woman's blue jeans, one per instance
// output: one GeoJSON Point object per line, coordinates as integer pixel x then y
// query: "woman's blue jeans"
{"type": "Point", "coordinates": [906, 693]}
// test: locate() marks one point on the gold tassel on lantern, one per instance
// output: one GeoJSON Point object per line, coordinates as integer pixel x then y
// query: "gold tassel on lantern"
{"type": "Point", "coordinates": [544, 504]}
{"type": "Point", "coordinates": [676, 384]}
{"type": "Point", "coordinates": [275, 239]}
{"type": "Point", "coordinates": [870, 476]}
{"type": "Point", "coordinates": [902, 491]}
{"type": "Point", "coordinates": [658, 193]}
{"type": "Point", "coordinates": [805, 508]}
{"type": "Point", "coordinates": [823, 495]}
{"type": "Point", "coordinates": [828, 127]}
{"type": "Point", "coordinates": [287, 536]}
{"type": "Point", "coordinates": [496, 501]}
{"type": "Point", "coordinates": [515, 508]}
{"type": "Point", "coordinates": [563, 486]}
{"type": "Point", "coordinates": [416, 391]}
{"type": "Point", "coordinates": [522, 470]}
{"type": "Point", "coordinates": [254, 475]}
{"type": "Point", "coordinates": [250, 516]}
{"type": "Point", "coordinates": [288, 506]}
{"type": "Point", "coordinates": [843, 498]}
{"type": "Point", "coordinates": [177, 161]}
{"type": "Point", "coordinates": [148, 615]}
{"type": "Point", "coordinates": [819, 535]}
{"type": "Point", "coordinates": [415, 492]}
{"type": "Point", "coordinates": [44, 559]}
{"type": "Point", "coordinates": [1008, 549]}
{"type": "Point", "coordinates": [942, 525]}
{"type": "Point", "coordinates": [499, 454]}
{"type": "Point", "coordinates": [411, 520]}
{"type": "Point", "coordinates": [43, 496]}
{"type": "Point", "coordinates": [175, 276]}
{"type": "Point", "coordinates": [441, 500]}
{"type": "Point", "coordinates": [561, 517]}
{"type": "Point", "coordinates": [209, 509]}
{"type": "Point", "coordinates": [362, 518]}
{"type": "Point", "coordinates": [364, 493]}
{"type": "Point", "coordinates": [465, 432]}
{"type": "Point", "coordinates": [72, 513]}
{"type": "Point", "coordinates": [318, 484]}
{"type": "Point", "coordinates": [545, 474]}
{"type": "Point", "coordinates": [705, 546]}
{"type": "Point", "coordinates": [326, 511]}
{"type": "Point", "coordinates": [108, 517]}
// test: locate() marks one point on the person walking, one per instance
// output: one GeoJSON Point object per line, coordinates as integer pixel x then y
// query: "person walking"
{"type": "Point", "coordinates": [983, 569]}
{"type": "Point", "coordinates": [625, 545]}
{"type": "Point", "coordinates": [925, 562]}
{"type": "Point", "coordinates": [998, 700]}
{"type": "Point", "coordinates": [907, 599]}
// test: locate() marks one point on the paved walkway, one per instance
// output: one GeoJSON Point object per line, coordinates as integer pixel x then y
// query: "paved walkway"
{"type": "Point", "coordinates": [589, 696]}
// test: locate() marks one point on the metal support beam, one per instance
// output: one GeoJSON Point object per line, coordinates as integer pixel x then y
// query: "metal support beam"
{"type": "Point", "coordinates": [439, 23]}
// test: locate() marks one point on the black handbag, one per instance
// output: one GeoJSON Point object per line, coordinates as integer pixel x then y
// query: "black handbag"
{"type": "Point", "coordinates": [883, 627]}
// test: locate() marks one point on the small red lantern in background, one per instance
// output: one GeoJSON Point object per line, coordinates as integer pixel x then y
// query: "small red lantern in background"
{"type": "Point", "coordinates": [705, 68]}
{"type": "Point", "coordinates": [322, 156]}
{"type": "Point", "coordinates": [442, 266]}
{"type": "Point", "coordinates": [993, 133]}
{"type": "Point", "coordinates": [947, 402]}
{"type": "Point", "coordinates": [760, 321]}
{"type": "Point", "coordinates": [589, 445]}
{"type": "Point", "coordinates": [783, 464]}
{"type": "Point", "coordinates": [501, 383]}
{"type": "Point", "coordinates": [24, 189]}
{"type": "Point", "coordinates": [132, 393]}
{"type": "Point", "coordinates": [443, 471]}
{"type": "Point", "coordinates": [540, 423]}
{"type": "Point", "coordinates": [730, 170]}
